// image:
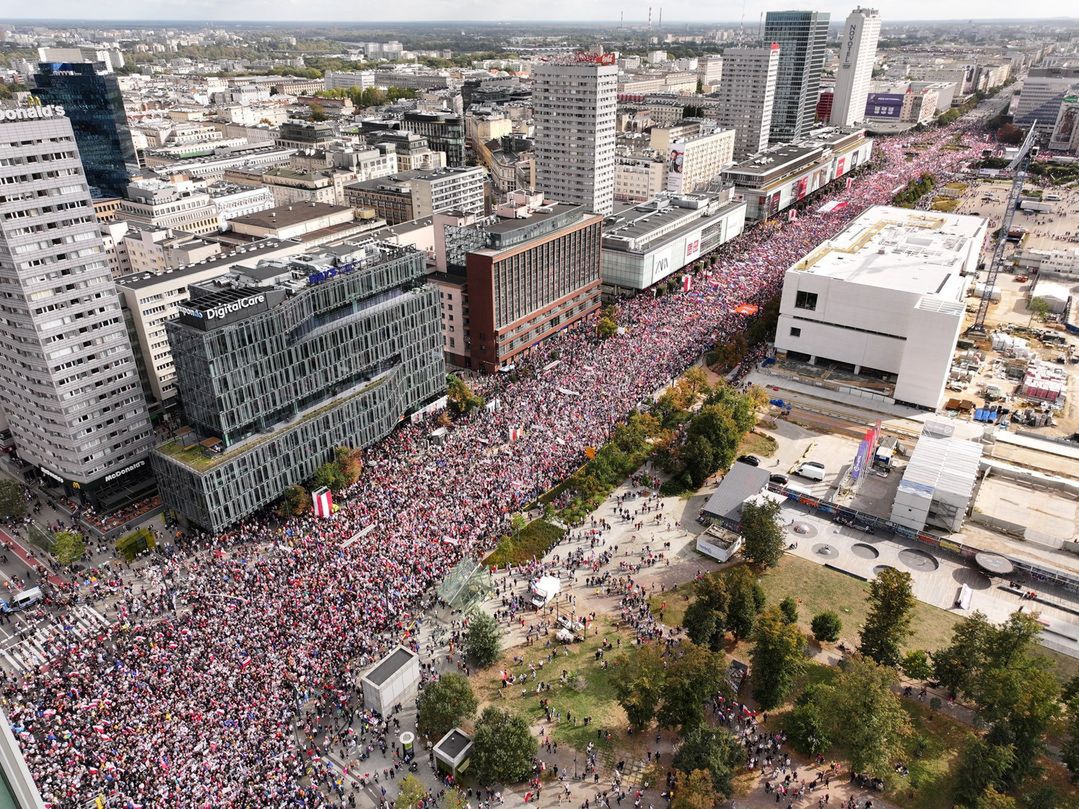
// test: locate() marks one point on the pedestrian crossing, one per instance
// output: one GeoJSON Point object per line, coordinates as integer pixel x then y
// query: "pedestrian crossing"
{"type": "Point", "coordinates": [34, 643]}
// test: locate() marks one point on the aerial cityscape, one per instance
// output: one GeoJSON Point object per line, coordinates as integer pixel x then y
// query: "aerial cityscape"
{"type": "Point", "coordinates": [439, 407]}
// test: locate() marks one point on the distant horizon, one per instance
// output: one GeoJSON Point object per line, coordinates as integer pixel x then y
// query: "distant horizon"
{"type": "Point", "coordinates": [487, 22]}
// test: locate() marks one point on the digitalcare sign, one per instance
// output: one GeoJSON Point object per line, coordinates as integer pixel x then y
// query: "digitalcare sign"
{"type": "Point", "coordinates": [223, 311]}
{"type": "Point", "coordinates": [33, 113]}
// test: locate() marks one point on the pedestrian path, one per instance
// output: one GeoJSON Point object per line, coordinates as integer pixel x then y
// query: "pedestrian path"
{"type": "Point", "coordinates": [36, 643]}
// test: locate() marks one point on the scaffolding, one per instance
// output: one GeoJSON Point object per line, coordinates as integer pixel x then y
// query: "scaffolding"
{"type": "Point", "coordinates": [466, 586]}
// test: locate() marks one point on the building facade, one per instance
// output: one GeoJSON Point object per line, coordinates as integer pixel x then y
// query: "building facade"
{"type": "Point", "coordinates": [70, 389]}
{"type": "Point", "coordinates": [1044, 89]}
{"type": "Point", "coordinates": [746, 97]}
{"type": "Point", "coordinates": [575, 105]}
{"type": "Point", "coordinates": [857, 53]}
{"type": "Point", "coordinates": [802, 37]}
{"type": "Point", "coordinates": [644, 244]}
{"type": "Point", "coordinates": [95, 107]}
{"type": "Point", "coordinates": [694, 163]}
{"type": "Point", "coordinates": [444, 132]}
{"type": "Point", "coordinates": [884, 300]}
{"type": "Point", "coordinates": [333, 351]}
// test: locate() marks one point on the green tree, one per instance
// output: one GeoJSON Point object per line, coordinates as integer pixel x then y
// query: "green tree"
{"type": "Point", "coordinates": [765, 540]}
{"type": "Point", "coordinates": [694, 790]}
{"type": "Point", "coordinates": [411, 793]}
{"type": "Point", "coordinates": [789, 607]}
{"type": "Point", "coordinates": [916, 664]}
{"type": "Point", "coordinates": [715, 423]}
{"type": "Point", "coordinates": [778, 656]}
{"type": "Point", "coordinates": [68, 547]}
{"type": "Point", "coordinates": [957, 665]}
{"type": "Point", "coordinates": [864, 715]}
{"type": "Point", "coordinates": [295, 500]}
{"type": "Point", "coordinates": [981, 766]}
{"type": "Point", "coordinates": [638, 683]}
{"type": "Point", "coordinates": [714, 751]}
{"type": "Point", "coordinates": [460, 400]}
{"type": "Point", "coordinates": [503, 748]}
{"type": "Point", "coordinates": [329, 475]}
{"type": "Point", "coordinates": [318, 113]}
{"type": "Point", "coordinates": [443, 704]}
{"type": "Point", "coordinates": [699, 457]}
{"type": "Point", "coordinates": [694, 674]}
{"type": "Point", "coordinates": [606, 327]}
{"type": "Point", "coordinates": [12, 500]}
{"type": "Point", "coordinates": [1038, 307]}
{"type": "Point", "coordinates": [482, 641]}
{"type": "Point", "coordinates": [891, 604]}
{"type": "Point", "coordinates": [826, 626]}
{"type": "Point", "coordinates": [746, 600]}
{"type": "Point", "coordinates": [705, 619]}
{"type": "Point", "coordinates": [1069, 753]}
{"type": "Point", "coordinates": [454, 799]}
{"type": "Point", "coordinates": [807, 728]}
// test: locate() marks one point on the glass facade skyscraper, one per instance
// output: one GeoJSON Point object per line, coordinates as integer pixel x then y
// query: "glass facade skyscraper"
{"type": "Point", "coordinates": [802, 37]}
{"type": "Point", "coordinates": [95, 107]}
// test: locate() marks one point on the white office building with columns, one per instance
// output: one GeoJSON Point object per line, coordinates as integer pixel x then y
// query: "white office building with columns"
{"type": "Point", "coordinates": [857, 53]}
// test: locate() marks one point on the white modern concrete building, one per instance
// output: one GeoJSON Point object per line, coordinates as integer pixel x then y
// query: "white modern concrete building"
{"type": "Point", "coordinates": [575, 104]}
{"type": "Point", "coordinates": [694, 163]}
{"type": "Point", "coordinates": [938, 482]}
{"type": "Point", "coordinates": [394, 679]}
{"type": "Point", "coordinates": [746, 94]}
{"type": "Point", "coordinates": [857, 52]}
{"type": "Point", "coordinates": [70, 386]}
{"type": "Point", "coordinates": [645, 243]}
{"type": "Point", "coordinates": [885, 299]}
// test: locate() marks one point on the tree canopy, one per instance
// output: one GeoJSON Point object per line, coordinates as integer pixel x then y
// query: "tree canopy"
{"type": "Point", "coordinates": [778, 656]}
{"type": "Point", "coordinates": [483, 641]}
{"type": "Point", "coordinates": [764, 537]}
{"type": "Point", "coordinates": [444, 703]}
{"type": "Point", "coordinates": [503, 748]}
{"type": "Point", "coordinates": [891, 604]}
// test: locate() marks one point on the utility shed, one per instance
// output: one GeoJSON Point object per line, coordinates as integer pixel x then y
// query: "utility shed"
{"type": "Point", "coordinates": [451, 752]}
{"type": "Point", "coordinates": [394, 679]}
{"type": "Point", "coordinates": [938, 483]}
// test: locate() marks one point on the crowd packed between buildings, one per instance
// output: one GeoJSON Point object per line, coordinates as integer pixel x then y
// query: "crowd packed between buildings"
{"type": "Point", "coordinates": [194, 696]}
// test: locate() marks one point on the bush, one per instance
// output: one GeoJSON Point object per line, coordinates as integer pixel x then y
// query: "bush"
{"type": "Point", "coordinates": [826, 626]}
{"type": "Point", "coordinates": [482, 641]}
{"type": "Point", "coordinates": [531, 542]}
{"type": "Point", "coordinates": [68, 547]}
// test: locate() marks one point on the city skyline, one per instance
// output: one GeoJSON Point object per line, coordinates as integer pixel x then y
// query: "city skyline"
{"type": "Point", "coordinates": [675, 13]}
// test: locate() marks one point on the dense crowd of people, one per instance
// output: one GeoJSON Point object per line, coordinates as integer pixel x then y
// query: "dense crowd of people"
{"type": "Point", "coordinates": [200, 693]}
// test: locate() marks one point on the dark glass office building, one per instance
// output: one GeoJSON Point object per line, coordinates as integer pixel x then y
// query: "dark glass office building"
{"type": "Point", "coordinates": [802, 37]}
{"type": "Point", "coordinates": [95, 107]}
{"type": "Point", "coordinates": [278, 365]}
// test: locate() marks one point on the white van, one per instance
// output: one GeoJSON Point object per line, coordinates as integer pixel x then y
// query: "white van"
{"type": "Point", "coordinates": [25, 599]}
{"type": "Point", "coordinates": [811, 470]}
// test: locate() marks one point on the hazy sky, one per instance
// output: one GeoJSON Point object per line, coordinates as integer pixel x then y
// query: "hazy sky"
{"type": "Point", "coordinates": [548, 10]}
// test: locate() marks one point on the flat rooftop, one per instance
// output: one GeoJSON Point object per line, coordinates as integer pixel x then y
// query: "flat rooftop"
{"type": "Point", "coordinates": [251, 252]}
{"type": "Point", "coordinates": [390, 665]}
{"type": "Point", "coordinates": [635, 227]}
{"type": "Point", "coordinates": [901, 249]}
{"type": "Point", "coordinates": [453, 744]}
{"type": "Point", "coordinates": [286, 215]}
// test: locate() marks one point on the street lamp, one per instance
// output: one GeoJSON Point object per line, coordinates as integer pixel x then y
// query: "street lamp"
{"type": "Point", "coordinates": [575, 776]}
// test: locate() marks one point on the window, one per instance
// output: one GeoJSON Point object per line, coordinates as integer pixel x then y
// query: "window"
{"type": "Point", "coordinates": [795, 331]}
{"type": "Point", "coordinates": [806, 300]}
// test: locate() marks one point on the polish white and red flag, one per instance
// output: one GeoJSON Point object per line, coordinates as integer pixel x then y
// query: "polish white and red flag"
{"type": "Point", "coordinates": [322, 502]}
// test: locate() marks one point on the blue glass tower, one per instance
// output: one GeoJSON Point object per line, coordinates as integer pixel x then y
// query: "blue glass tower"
{"type": "Point", "coordinates": [95, 107]}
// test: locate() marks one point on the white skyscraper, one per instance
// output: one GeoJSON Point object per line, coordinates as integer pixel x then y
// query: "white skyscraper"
{"type": "Point", "coordinates": [575, 104]}
{"type": "Point", "coordinates": [857, 51]}
{"type": "Point", "coordinates": [747, 92]}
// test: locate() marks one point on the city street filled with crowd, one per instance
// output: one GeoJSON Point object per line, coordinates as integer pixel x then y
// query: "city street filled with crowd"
{"type": "Point", "coordinates": [230, 654]}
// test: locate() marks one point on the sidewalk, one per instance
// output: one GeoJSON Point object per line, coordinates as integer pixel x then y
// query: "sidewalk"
{"type": "Point", "coordinates": [23, 552]}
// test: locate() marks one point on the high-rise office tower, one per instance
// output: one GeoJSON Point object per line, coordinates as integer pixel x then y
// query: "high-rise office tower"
{"type": "Point", "coordinates": [95, 108]}
{"type": "Point", "coordinates": [574, 103]}
{"type": "Point", "coordinates": [70, 387]}
{"type": "Point", "coordinates": [857, 51]}
{"type": "Point", "coordinates": [802, 37]}
{"type": "Point", "coordinates": [747, 92]}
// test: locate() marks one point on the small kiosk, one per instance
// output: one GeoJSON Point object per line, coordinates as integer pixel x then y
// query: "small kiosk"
{"type": "Point", "coordinates": [452, 752]}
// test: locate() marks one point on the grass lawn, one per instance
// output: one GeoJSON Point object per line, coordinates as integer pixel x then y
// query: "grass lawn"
{"type": "Point", "coordinates": [758, 444]}
{"type": "Point", "coordinates": [670, 605]}
{"type": "Point", "coordinates": [945, 204]}
{"type": "Point", "coordinates": [588, 691]}
{"type": "Point", "coordinates": [816, 589]}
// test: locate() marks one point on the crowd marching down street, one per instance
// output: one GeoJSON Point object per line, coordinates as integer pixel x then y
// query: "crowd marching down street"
{"type": "Point", "coordinates": [193, 697]}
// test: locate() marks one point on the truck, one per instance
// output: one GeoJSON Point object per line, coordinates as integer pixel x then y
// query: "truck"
{"type": "Point", "coordinates": [543, 591]}
{"type": "Point", "coordinates": [886, 450]}
{"type": "Point", "coordinates": [1035, 206]}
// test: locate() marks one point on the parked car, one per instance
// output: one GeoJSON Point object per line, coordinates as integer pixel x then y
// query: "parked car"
{"type": "Point", "coordinates": [778, 480]}
{"type": "Point", "coordinates": [752, 460]}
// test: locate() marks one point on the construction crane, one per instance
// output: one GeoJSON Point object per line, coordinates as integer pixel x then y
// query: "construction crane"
{"type": "Point", "coordinates": [1018, 165]}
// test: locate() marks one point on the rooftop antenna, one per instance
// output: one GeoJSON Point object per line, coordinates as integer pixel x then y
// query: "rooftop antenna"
{"type": "Point", "coordinates": [742, 23]}
{"type": "Point", "coordinates": [621, 20]}
{"type": "Point", "coordinates": [649, 18]}
{"type": "Point", "coordinates": [660, 26]}
{"type": "Point", "coordinates": [760, 28]}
